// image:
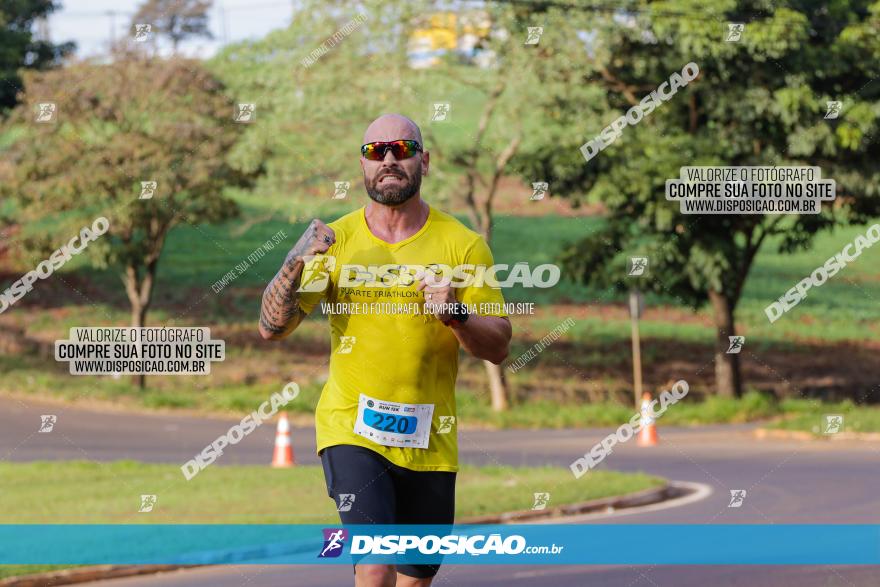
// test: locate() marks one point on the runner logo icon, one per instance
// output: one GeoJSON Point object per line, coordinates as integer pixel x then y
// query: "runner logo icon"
{"type": "Point", "coordinates": [316, 272]}
{"type": "Point", "coordinates": [737, 496]}
{"type": "Point", "coordinates": [334, 542]}
{"type": "Point", "coordinates": [346, 500]}
{"type": "Point", "coordinates": [446, 424]}
{"type": "Point", "coordinates": [736, 344]}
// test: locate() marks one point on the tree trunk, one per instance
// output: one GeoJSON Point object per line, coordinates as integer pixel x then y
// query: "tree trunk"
{"type": "Point", "coordinates": [497, 386]}
{"type": "Point", "coordinates": [138, 319]}
{"type": "Point", "coordinates": [140, 293]}
{"type": "Point", "coordinates": [497, 383]}
{"type": "Point", "coordinates": [728, 381]}
{"type": "Point", "coordinates": [481, 216]}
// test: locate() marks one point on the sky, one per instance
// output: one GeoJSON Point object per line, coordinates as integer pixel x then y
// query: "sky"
{"type": "Point", "coordinates": [89, 24]}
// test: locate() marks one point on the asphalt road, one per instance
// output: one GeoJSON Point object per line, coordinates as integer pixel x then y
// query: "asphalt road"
{"type": "Point", "coordinates": [786, 482]}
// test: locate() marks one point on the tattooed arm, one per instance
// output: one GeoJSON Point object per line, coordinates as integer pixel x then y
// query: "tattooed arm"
{"type": "Point", "coordinates": [280, 313]}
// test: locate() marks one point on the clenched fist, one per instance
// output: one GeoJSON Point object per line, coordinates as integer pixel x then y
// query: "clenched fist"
{"type": "Point", "coordinates": [316, 239]}
{"type": "Point", "coordinates": [439, 299]}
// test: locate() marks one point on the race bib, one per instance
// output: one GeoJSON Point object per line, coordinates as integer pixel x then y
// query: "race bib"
{"type": "Point", "coordinates": [394, 424]}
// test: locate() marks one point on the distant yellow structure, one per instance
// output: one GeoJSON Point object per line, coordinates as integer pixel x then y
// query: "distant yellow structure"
{"type": "Point", "coordinates": [442, 32]}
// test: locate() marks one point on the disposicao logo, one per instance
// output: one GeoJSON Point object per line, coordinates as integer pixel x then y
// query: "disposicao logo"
{"type": "Point", "coordinates": [334, 542]}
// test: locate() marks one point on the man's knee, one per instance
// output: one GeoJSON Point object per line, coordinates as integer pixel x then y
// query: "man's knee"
{"type": "Point", "coordinates": [375, 576]}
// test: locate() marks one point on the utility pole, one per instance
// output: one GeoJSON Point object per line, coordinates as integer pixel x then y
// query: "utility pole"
{"type": "Point", "coordinates": [112, 15]}
{"type": "Point", "coordinates": [636, 306]}
{"type": "Point", "coordinates": [224, 25]}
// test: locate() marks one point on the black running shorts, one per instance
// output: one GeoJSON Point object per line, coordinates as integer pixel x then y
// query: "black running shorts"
{"type": "Point", "coordinates": [385, 493]}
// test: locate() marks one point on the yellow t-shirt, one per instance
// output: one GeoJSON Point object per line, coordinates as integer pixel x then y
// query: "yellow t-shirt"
{"type": "Point", "coordinates": [387, 354]}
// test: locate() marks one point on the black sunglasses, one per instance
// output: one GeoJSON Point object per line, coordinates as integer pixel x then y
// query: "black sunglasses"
{"type": "Point", "coordinates": [402, 149]}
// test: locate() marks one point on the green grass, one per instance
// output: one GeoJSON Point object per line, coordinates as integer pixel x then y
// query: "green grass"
{"type": "Point", "coordinates": [810, 417]}
{"type": "Point", "coordinates": [28, 375]}
{"type": "Point", "coordinates": [788, 414]}
{"type": "Point", "coordinates": [25, 375]}
{"type": "Point", "coordinates": [22, 570]}
{"type": "Point", "coordinates": [690, 411]}
{"type": "Point", "coordinates": [78, 492]}
{"type": "Point", "coordinates": [196, 257]}
{"type": "Point", "coordinates": [846, 305]}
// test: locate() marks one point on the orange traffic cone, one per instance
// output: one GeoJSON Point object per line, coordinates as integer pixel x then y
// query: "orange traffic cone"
{"type": "Point", "coordinates": [283, 456]}
{"type": "Point", "coordinates": [648, 431]}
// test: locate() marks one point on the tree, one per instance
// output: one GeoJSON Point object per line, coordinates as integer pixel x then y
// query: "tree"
{"type": "Point", "coordinates": [176, 19]}
{"type": "Point", "coordinates": [134, 120]}
{"type": "Point", "coordinates": [18, 47]}
{"type": "Point", "coordinates": [297, 138]}
{"type": "Point", "coordinates": [302, 147]}
{"type": "Point", "coordinates": [528, 107]}
{"type": "Point", "coordinates": [760, 101]}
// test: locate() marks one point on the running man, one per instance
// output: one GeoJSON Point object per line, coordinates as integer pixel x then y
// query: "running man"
{"type": "Point", "coordinates": [385, 421]}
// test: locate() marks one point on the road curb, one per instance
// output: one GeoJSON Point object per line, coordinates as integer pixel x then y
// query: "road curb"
{"type": "Point", "coordinates": [103, 572]}
{"type": "Point", "coordinates": [774, 433]}
{"type": "Point", "coordinates": [628, 500]}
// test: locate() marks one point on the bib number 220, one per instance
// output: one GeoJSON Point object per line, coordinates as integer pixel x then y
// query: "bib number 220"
{"type": "Point", "coordinates": [390, 422]}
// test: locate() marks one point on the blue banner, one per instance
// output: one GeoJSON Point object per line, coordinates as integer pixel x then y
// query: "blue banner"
{"type": "Point", "coordinates": [521, 544]}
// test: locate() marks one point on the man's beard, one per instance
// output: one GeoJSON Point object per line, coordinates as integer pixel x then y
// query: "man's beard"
{"type": "Point", "coordinates": [391, 195]}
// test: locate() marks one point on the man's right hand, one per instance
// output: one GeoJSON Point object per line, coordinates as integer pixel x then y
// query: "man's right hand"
{"type": "Point", "coordinates": [317, 238]}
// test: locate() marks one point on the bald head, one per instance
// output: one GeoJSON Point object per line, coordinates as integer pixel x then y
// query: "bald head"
{"type": "Point", "coordinates": [392, 127]}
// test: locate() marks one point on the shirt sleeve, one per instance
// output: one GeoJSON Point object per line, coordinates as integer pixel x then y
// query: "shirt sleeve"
{"type": "Point", "coordinates": [482, 298]}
